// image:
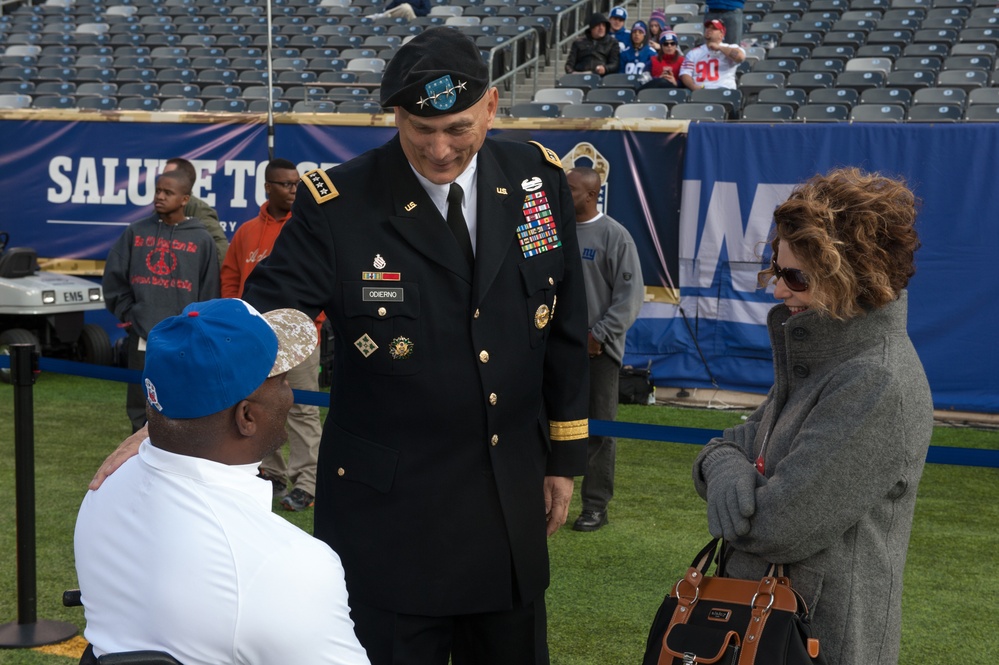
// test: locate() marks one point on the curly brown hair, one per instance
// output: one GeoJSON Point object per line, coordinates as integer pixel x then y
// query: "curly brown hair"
{"type": "Point", "coordinates": [855, 237]}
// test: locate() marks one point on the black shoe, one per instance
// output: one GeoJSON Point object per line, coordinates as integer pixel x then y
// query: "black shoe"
{"type": "Point", "coordinates": [278, 487]}
{"type": "Point", "coordinates": [297, 500]}
{"type": "Point", "coordinates": [590, 520]}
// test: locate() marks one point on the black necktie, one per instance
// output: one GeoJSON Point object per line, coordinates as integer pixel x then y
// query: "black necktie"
{"type": "Point", "coordinates": [456, 222]}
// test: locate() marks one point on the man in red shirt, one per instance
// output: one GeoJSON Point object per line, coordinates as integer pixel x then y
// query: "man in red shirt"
{"type": "Point", "coordinates": [253, 242]}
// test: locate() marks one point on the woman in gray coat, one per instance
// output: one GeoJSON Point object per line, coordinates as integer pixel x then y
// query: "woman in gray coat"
{"type": "Point", "coordinates": [822, 477]}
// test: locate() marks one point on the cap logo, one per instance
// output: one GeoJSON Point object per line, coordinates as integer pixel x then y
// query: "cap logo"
{"type": "Point", "coordinates": [151, 395]}
{"type": "Point", "coordinates": [442, 93]}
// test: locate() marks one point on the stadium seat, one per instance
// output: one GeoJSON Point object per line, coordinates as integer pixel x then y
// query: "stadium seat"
{"type": "Point", "coordinates": [139, 104]}
{"type": "Point", "coordinates": [667, 96]}
{"type": "Point", "coordinates": [968, 79]}
{"type": "Point", "coordinates": [785, 66]}
{"type": "Point", "coordinates": [581, 80]}
{"type": "Point", "coordinates": [560, 95]}
{"type": "Point", "coordinates": [535, 110]}
{"type": "Point", "coordinates": [940, 95]}
{"type": "Point", "coordinates": [768, 112]}
{"type": "Point", "coordinates": [823, 113]}
{"type": "Point", "coordinates": [730, 99]}
{"type": "Point", "coordinates": [835, 51]}
{"type": "Point", "coordinates": [221, 91]}
{"type": "Point", "coordinates": [882, 96]}
{"type": "Point", "coordinates": [359, 106]}
{"type": "Point", "coordinates": [830, 65]}
{"type": "Point", "coordinates": [182, 104]}
{"type": "Point", "coordinates": [934, 113]}
{"type": "Point", "coordinates": [809, 81]}
{"type": "Point", "coordinates": [982, 113]}
{"type": "Point", "coordinates": [620, 81]}
{"type": "Point", "coordinates": [912, 80]}
{"type": "Point", "coordinates": [699, 112]}
{"type": "Point", "coordinates": [793, 97]}
{"type": "Point", "coordinates": [53, 102]}
{"type": "Point", "coordinates": [846, 96]}
{"type": "Point", "coordinates": [861, 80]}
{"type": "Point", "coordinates": [314, 106]}
{"type": "Point", "coordinates": [983, 96]}
{"type": "Point", "coordinates": [97, 103]}
{"type": "Point", "coordinates": [875, 64]}
{"type": "Point", "coordinates": [877, 113]}
{"type": "Point", "coordinates": [137, 89]}
{"type": "Point", "coordinates": [926, 63]}
{"type": "Point", "coordinates": [225, 105]}
{"type": "Point", "coordinates": [752, 83]}
{"type": "Point", "coordinates": [588, 110]}
{"type": "Point", "coordinates": [611, 96]}
{"type": "Point", "coordinates": [639, 110]}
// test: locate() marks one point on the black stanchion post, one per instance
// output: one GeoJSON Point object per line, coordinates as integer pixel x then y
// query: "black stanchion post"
{"type": "Point", "coordinates": [28, 631]}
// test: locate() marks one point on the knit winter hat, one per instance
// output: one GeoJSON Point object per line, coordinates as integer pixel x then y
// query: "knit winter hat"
{"type": "Point", "coordinates": [659, 16]}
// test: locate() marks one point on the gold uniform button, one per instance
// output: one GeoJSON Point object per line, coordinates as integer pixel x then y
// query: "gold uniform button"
{"type": "Point", "coordinates": [551, 281]}
{"type": "Point", "coordinates": [495, 439]}
{"type": "Point", "coordinates": [476, 315]}
{"type": "Point", "coordinates": [493, 399]}
{"type": "Point", "coordinates": [484, 356]}
{"type": "Point", "coordinates": [340, 472]}
{"type": "Point", "coordinates": [382, 311]}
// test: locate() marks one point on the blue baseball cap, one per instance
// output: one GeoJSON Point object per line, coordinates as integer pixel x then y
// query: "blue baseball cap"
{"type": "Point", "coordinates": [619, 12]}
{"type": "Point", "coordinates": [218, 352]}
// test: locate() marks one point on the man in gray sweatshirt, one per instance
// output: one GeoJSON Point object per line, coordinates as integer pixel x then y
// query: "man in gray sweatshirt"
{"type": "Point", "coordinates": [158, 266]}
{"type": "Point", "coordinates": [614, 295]}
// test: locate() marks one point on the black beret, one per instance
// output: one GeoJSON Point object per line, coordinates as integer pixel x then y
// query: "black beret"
{"type": "Point", "coordinates": [439, 71]}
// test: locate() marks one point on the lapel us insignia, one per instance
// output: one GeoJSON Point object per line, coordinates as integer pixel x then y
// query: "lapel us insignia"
{"type": "Point", "coordinates": [409, 206]}
{"type": "Point", "coordinates": [501, 190]}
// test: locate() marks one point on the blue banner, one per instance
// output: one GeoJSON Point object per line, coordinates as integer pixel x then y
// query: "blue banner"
{"type": "Point", "coordinates": [735, 175]}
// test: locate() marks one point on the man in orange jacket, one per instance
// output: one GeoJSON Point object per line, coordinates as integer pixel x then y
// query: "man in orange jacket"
{"type": "Point", "coordinates": [253, 242]}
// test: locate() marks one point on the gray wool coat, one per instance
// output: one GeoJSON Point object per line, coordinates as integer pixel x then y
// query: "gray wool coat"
{"type": "Point", "coordinates": [847, 424]}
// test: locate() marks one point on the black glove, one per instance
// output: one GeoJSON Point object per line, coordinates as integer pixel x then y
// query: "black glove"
{"type": "Point", "coordinates": [731, 495]}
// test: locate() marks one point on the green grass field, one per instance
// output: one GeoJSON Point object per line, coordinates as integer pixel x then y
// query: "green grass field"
{"type": "Point", "coordinates": [606, 585]}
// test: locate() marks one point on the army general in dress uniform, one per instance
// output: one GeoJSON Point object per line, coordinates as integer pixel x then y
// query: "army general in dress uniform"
{"type": "Point", "coordinates": [459, 399]}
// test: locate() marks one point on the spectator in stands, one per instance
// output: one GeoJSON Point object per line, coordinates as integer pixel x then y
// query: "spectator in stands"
{"type": "Point", "coordinates": [713, 63]}
{"type": "Point", "coordinates": [407, 9]}
{"type": "Point", "coordinates": [179, 551]}
{"type": "Point", "coordinates": [657, 25]}
{"type": "Point", "coordinates": [665, 67]}
{"type": "Point", "coordinates": [618, 28]}
{"type": "Point", "coordinates": [158, 266]}
{"type": "Point", "coordinates": [251, 244]}
{"type": "Point", "coordinates": [596, 51]}
{"type": "Point", "coordinates": [614, 294]}
{"type": "Point", "coordinates": [728, 12]}
{"type": "Point", "coordinates": [823, 476]}
{"type": "Point", "coordinates": [636, 58]}
{"type": "Point", "coordinates": [198, 209]}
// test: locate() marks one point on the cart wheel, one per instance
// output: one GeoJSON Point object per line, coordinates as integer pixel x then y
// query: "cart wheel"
{"type": "Point", "coordinates": [94, 346]}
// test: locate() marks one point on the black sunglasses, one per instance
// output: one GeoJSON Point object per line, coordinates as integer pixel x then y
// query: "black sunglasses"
{"type": "Point", "coordinates": [793, 278]}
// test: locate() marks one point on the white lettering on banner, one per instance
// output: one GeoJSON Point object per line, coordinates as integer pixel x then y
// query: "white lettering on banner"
{"type": "Point", "coordinates": [701, 246]}
{"type": "Point", "coordinates": [101, 181]}
{"type": "Point", "coordinates": [239, 170]}
{"type": "Point", "coordinates": [65, 186]}
{"type": "Point", "coordinates": [723, 227]}
{"type": "Point", "coordinates": [111, 197]}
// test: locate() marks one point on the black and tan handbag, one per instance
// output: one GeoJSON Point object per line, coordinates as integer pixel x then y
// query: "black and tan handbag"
{"type": "Point", "coordinates": [728, 621]}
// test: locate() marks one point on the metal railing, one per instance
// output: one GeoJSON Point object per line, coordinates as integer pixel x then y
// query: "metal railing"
{"type": "Point", "coordinates": [528, 39]}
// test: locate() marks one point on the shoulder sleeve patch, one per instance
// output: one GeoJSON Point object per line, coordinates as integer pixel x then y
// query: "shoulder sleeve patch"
{"type": "Point", "coordinates": [320, 185]}
{"type": "Point", "coordinates": [548, 154]}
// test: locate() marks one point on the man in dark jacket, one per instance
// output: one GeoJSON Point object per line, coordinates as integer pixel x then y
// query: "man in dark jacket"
{"type": "Point", "coordinates": [597, 51]}
{"type": "Point", "coordinates": [447, 264]}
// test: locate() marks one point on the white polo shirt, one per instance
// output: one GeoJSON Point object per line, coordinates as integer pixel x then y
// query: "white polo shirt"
{"type": "Point", "coordinates": [184, 555]}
